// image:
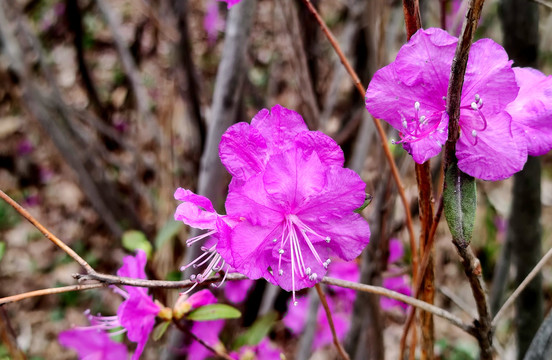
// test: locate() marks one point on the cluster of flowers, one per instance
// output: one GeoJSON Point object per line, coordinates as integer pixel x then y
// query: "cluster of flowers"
{"type": "Point", "coordinates": [341, 300]}
{"type": "Point", "coordinates": [506, 113]}
{"type": "Point", "coordinates": [136, 317]}
{"type": "Point", "coordinates": [290, 204]}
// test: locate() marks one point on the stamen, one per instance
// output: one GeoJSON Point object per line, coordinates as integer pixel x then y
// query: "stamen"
{"type": "Point", "coordinates": [474, 133]}
{"type": "Point", "coordinates": [328, 239]}
{"type": "Point", "coordinates": [281, 251]}
{"type": "Point", "coordinates": [417, 106]}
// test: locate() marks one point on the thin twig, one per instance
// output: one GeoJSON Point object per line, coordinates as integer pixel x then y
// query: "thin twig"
{"type": "Point", "coordinates": [46, 232]}
{"type": "Point", "coordinates": [324, 302]}
{"type": "Point", "coordinates": [379, 128]}
{"type": "Point", "coordinates": [50, 291]}
{"type": "Point", "coordinates": [543, 3]}
{"type": "Point", "coordinates": [522, 286]}
{"type": "Point", "coordinates": [187, 331]}
{"type": "Point", "coordinates": [437, 311]}
{"type": "Point", "coordinates": [457, 300]}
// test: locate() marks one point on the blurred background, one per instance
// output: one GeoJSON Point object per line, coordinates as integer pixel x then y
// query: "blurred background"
{"type": "Point", "coordinates": [107, 106]}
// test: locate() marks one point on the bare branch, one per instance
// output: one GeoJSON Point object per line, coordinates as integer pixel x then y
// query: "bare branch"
{"type": "Point", "coordinates": [50, 291]}
{"type": "Point", "coordinates": [324, 302]}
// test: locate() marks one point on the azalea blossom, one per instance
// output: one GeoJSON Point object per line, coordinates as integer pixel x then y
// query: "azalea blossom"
{"type": "Point", "coordinates": [399, 283]}
{"type": "Point", "coordinates": [92, 343]}
{"type": "Point", "coordinates": [294, 200]}
{"type": "Point", "coordinates": [410, 94]}
{"type": "Point", "coordinates": [136, 315]}
{"type": "Point", "coordinates": [264, 350]}
{"type": "Point", "coordinates": [290, 204]}
{"type": "Point", "coordinates": [213, 22]}
{"type": "Point", "coordinates": [296, 319]}
{"type": "Point", "coordinates": [532, 109]}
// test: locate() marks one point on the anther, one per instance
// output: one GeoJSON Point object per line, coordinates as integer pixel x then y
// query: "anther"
{"type": "Point", "coordinates": [295, 303]}
{"type": "Point", "coordinates": [477, 97]}
{"type": "Point", "coordinates": [422, 119]}
{"type": "Point", "coordinates": [280, 272]}
{"type": "Point", "coordinates": [313, 277]}
{"type": "Point", "coordinates": [404, 124]}
{"type": "Point", "coordinates": [281, 251]}
{"type": "Point", "coordinates": [274, 240]}
{"type": "Point", "coordinates": [328, 239]}
{"type": "Point", "coordinates": [474, 106]}
{"type": "Point", "coordinates": [308, 271]}
{"type": "Point", "coordinates": [474, 133]}
{"type": "Point", "coordinates": [417, 106]}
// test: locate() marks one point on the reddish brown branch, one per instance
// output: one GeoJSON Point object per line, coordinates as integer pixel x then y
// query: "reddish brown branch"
{"type": "Point", "coordinates": [324, 303]}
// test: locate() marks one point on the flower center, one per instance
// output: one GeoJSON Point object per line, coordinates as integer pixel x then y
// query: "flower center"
{"type": "Point", "coordinates": [294, 233]}
{"type": "Point", "coordinates": [465, 127]}
{"type": "Point", "coordinates": [417, 129]}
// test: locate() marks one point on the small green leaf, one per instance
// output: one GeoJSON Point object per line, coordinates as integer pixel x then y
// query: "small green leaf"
{"type": "Point", "coordinates": [460, 202]}
{"type": "Point", "coordinates": [134, 240]}
{"type": "Point", "coordinates": [214, 312]}
{"type": "Point", "coordinates": [160, 330]}
{"type": "Point", "coordinates": [260, 328]}
{"type": "Point", "coordinates": [2, 249]}
{"type": "Point", "coordinates": [167, 232]}
{"type": "Point", "coordinates": [367, 200]}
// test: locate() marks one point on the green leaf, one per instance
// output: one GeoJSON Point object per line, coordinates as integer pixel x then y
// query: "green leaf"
{"type": "Point", "coordinates": [160, 330]}
{"type": "Point", "coordinates": [367, 200]}
{"type": "Point", "coordinates": [134, 240]}
{"type": "Point", "coordinates": [214, 312]}
{"type": "Point", "coordinates": [167, 232]}
{"type": "Point", "coordinates": [460, 202]}
{"type": "Point", "coordinates": [256, 332]}
{"type": "Point", "coordinates": [2, 249]}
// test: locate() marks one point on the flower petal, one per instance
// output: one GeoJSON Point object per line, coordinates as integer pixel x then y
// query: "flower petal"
{"type": "Point", "coordinates": [532, 109]}
{"type": "Point", "coordinates": [243, 150]}
{"type": "Point", "coordinates": [137, 315]}
{"type": "Point", "coordinates": [497, 154]}
{"type": "Point", "coordinates": [325, 147]}
{"type": "Point", "coordinates": [196, 211]}
{"type": "Point", "coordinates": [279, 127]}
{"type": "Point", "coordinates": [92, 343]}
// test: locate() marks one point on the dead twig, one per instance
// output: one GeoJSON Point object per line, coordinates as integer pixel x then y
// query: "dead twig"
{"type": "Point", "coordinates": [324, 302]}
{"type": "Point", "coordinates": [50, 291]}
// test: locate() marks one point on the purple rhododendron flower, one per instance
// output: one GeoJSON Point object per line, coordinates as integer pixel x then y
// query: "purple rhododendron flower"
{"type": "Point", "coordinates": [92, 344]}
{"type": "Point", "coordinates": [532, 109]}
{"type": "Point", "coordinates": [410, 94]}
{"type": "Point", "coordinates": [290, 203]}
{"type": "Point", "coordinates": [296, 319]}
{"type": "Point", "coordinates": [344, 270]}
{"type": "Point", "coordinates": [399, 284]}
{"type": "Point", "coordinates": [137, 313]}
{"type": "Point", "coordinates": [213, 22]}
{"type": "Point", "coordinates": [264, 350]}
{"type": "Point", "coordinates": [294, 199]}
{"type": "Point", "coordinates": [236, 291]}
{"type": "Point", "coordinates": [396, 251]}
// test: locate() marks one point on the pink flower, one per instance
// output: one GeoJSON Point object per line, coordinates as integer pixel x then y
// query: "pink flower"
{"type": "Point", "coordinates": [264, 350]}
{"type": "Point", "coordinates": [399, 284]}
{"type": "Point", "coordinates": [138, 312]}
{"type": "Point", "coordinates": [236, 291]}
{"type": "Point", "coordinates": [213, 22]}
{"type": "Point", "coordinates": [396, 251]}
{"type": "Point", "coordinates": [532, 109]}
{"type": "Point", "coordinates": [136, 315]}
{"type": "Point", "coordinates": [410, 95]}
{"type": "Point", "coordinates": [294, 199]}
{"type": "Point", "coordinates": [296, 319]}
{"type": "Point", "coordinates": [91, 343]}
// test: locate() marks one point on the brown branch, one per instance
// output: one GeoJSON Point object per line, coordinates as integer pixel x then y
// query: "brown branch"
{"type": "Point", "coordinates": [522, 286]}
{"type": "Point", "coordinates": [187, 331]}
{"type": "Point", "coordinates": [379, 128]}
{"type": "Point", "coordinates": [46, 232]}
{"type": "Point", "coordinates": [412, 19]}
{"type": "Point", "coordinates": [50, 291]}
{"type": "Point", "coordinates": [324, 302]}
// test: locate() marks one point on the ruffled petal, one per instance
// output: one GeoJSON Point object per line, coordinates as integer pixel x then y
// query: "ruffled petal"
{"type": "Point", "coordinates": [207, 331]}
{"type": "Point", "coordinates": [325, 147]}
{"type": "Point", "coordinates": [498, 152]}
{"type": "Point", "coordinates": [201, 298]}
{"type": "Point", "coordinates": [489, 74]}
{"type": "Point", "coordinates": [279, 126]}
{"type": "Point", "coordinates": [343, 193]}
{"type": "Point", "coordinates": [243, 150]}
{"type": "Point", "coordinates": [196, 211]}
{"type": "Point", "coordinates": [532, 109]}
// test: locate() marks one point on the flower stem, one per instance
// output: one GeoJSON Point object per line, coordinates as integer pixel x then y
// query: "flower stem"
{"type": "Point", "coordinates": [187, 331]}
{"type": "Point", "coordinates": [324, 302]}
